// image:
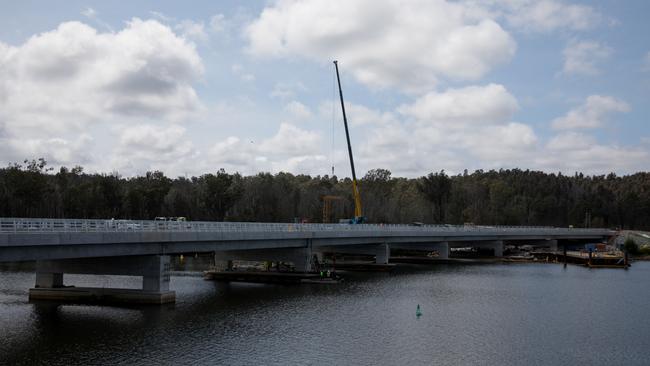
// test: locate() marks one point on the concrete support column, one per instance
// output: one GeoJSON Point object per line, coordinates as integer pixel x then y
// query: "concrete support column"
{"type": "Point", "coordinates": [443, 250]}
{"type": "Point", "coordinates": [222, 262]}
{"type": "Point", "coordinates": [47, 279]}
{"type": "Point", "coordinates": [498, 248]}
{"type": "Point", "coordinates": [383, 254]}
{"type": "Point", "coordinates": [553, 245]}
{"type": "Point", "coordinates": [317, 260]}
{"type": "Point", "coordinates": [302, 259]}
{"type": "Point", "coordinates": [156, 277]}
{"type": "Point", "coordinates": [496, 245]}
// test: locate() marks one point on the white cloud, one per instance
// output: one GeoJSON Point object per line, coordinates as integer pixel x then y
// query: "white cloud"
{"type": "Point", "coordinates": [505, 143]}
{"type": "Point", "coordinates": [549, 15]}
{"type": "Point", "coordinates": [290, 149]}
{"type": "Point", "coordinates": [582, 57]}
{"type": "Point", "coordinates": [411, 150]}
{"type": "Point", "coordinates": [414, 146]}
{"type": "Point", "coordinates": [56, 150]}
{"type": "Point", "coordinates": [361, 115]}
{"type": "Point", "coordinates": [357, 114]}
{"type": "Point", "coordinates": [481, 104]}
{"type": "Point", "coordinates": [92, 14]}
{"type": "Point", "coordinates": [151, 141]}
{"type": "Point", "coordinates": [89, 13]}
{"type": "Point", "coordinates": [291, 141]}
{"type": "Point", "coordinates": [571, 141]}
{"type": "Point", "coordinates": [218, 23]}
{"type": "Point", "coordinates": [298, 110]}
{"type": "Point", "coordinates": [234, 154]}
{"type": "Point", "coordinates": [390, 43]}
{"type": "Point", "coordinates": [593, 158]}
{"type": "Point", "coordinates": [239, 71]}
{"type": "Point", "coordinates": [592, 113]}
{"type": "Point", "coordinates": [67, 81]}
{"type": "Point", "coordinates": [284, 90]}
{"type": "Point", "coordinates": [73, 76]}
{"type": "Point", "coordinates": [162, 17]}
{"type": "Point", "coordinates": [192, 30]}
{"type": "Point", "coordinates": [417, 138]}
{"type": "Point", "coordinates": [460, 128]}
{"type": "Point", "coordinates": [151, 147]}
{"type": "Point", "coordinates": [227, 29]}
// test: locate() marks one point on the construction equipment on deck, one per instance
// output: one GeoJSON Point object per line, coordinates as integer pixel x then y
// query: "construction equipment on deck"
{"type": "Point", "coordinates": [327, 207]}
{"type": "Point", "coordinates": [358, 216]}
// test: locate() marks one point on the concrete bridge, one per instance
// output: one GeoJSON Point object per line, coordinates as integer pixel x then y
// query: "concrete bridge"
{"type": "Point", "coordinates": [142, 248]}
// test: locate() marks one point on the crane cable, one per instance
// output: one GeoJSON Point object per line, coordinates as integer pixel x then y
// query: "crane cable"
{"type": "Point", "coordinates": [333, 123]}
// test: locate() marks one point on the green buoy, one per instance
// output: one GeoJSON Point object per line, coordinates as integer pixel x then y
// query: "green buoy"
{"type": "Point", "coordinates": [418, 312]}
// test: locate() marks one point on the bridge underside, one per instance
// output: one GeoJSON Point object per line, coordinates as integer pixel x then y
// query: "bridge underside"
{"type": "Point", "coordinates": [153, 269]}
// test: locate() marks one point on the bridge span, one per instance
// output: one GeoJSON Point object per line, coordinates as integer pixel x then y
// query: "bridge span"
{"type": "Point", "coordinates": [142, 248]}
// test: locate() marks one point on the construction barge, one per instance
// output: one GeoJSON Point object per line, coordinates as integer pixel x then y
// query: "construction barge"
{"type": "Point", "coordinates": [436, 260]}
{"type": "Point", "coordinates": [583, 258]}
{"type": "Point", "coordinates": [271, 277]}
{"type": "Point", "coordinates": [363, 266]}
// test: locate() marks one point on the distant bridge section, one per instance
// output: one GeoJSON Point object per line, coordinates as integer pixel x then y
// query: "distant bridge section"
{"type": "Point", "coordinates": [119, 246]}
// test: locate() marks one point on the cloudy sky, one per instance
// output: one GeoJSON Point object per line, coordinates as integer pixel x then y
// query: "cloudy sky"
{"type": "Point", "coordinates": [188, 88]}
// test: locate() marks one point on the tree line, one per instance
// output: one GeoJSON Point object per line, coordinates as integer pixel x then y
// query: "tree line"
{"type": "Point", "coordinates": [503, 197]}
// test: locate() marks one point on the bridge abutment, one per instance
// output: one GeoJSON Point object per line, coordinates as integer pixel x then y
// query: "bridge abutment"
{"type": "Point", "coordinates": [154, 270]}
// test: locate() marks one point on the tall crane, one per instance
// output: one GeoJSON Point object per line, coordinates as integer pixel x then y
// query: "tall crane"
{"type": "Point", "coordinates": [358, 215]}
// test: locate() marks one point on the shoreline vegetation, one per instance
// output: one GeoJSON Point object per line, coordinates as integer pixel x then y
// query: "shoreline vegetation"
{"type": "Point", "coordinates": [494, 197]}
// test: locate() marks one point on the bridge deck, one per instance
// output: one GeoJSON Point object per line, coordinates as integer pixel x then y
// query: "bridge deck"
{"type": "Point", "coordinates": [32, 239]}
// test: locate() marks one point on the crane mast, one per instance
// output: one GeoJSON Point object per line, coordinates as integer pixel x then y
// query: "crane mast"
{"type": "Point", "coordinates": [358, 215]}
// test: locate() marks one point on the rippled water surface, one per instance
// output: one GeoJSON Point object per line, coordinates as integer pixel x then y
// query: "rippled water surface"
{"type": "Point", "coordinates": [521, 314]}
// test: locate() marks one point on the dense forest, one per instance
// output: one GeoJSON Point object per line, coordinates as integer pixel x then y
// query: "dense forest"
{"type": "Point", "coordinates": [504, 197]}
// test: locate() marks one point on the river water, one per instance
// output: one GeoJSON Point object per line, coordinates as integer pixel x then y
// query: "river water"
{"type": "Point", "coordinates": [515, 314]}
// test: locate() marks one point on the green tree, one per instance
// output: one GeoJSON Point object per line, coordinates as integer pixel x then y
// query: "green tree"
{"type": "Point", "coordinates": [436, 187]}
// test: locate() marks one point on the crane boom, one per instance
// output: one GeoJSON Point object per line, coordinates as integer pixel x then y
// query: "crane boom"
{"type": "Point", "coordinates": [358, 215]}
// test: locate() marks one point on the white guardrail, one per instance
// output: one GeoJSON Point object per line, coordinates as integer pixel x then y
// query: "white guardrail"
{"type": "Point", "coordinates": [29, 225]}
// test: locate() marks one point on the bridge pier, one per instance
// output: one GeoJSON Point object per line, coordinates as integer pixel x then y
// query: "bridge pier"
{"type": "Point", "coordinates": [497, 245]}
{"type": "Point", "coordinates": [382, 254]}
{"type": "Point", "coordinates": [443, 250]}
{"type": "Point", "coordinates": [48, 280]}
{"type": "Point", "coordinates": [154, 270]}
